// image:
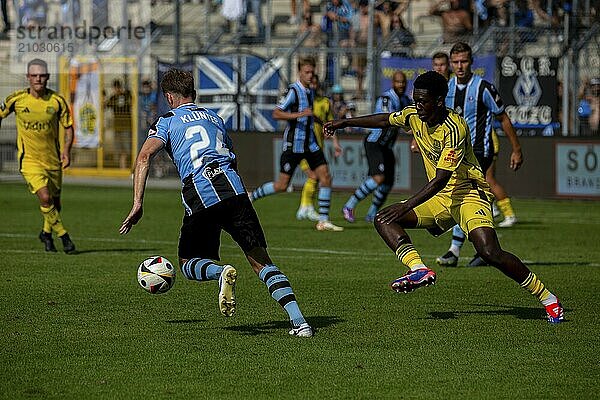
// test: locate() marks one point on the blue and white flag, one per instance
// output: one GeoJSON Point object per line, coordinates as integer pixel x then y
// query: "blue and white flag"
{"type": "Point", "coordinates": [243, 89]}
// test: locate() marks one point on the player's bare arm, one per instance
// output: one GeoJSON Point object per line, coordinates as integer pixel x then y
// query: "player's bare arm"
{"type": "Point", "coordinates": [396, 211]}
{"type": "Point", "coordinates": [65, 156]}
{"type": "Point", "coordinates": [281, 115]}
{"type": "Point", "coordinates": [516, 157]}
{"type": "Point", "coordinates": [368, 121]}
{"type": "Point", "coordinates": [140, 176]}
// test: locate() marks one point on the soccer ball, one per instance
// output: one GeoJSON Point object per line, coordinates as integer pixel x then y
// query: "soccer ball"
{"type": "Point", "coordinates": [156, 274]}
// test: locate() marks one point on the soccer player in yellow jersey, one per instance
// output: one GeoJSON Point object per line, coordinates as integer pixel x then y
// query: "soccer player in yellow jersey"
{"type": "Point", "coordinates": [39, 111]}
{"type": "Point", "coordinates": [322, 112]}
{"type": "Point", "coordinates": [456, 193]}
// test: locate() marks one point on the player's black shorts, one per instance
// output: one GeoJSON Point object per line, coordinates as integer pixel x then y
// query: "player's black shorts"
{"type": "Point", "coordinates": [484, 162]}
{"type": "Point", "coordinates": [201, 232]}
{"type": "Point", "coordinates": [289, 160]}
{"type": "Point", "coordinates": [381, 161]}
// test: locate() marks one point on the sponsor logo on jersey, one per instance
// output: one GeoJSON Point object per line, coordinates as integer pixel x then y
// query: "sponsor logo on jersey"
{"type": "Point", "coordinates": [211, 172]}
{"type": "Point", "coordinates": [451, 157]}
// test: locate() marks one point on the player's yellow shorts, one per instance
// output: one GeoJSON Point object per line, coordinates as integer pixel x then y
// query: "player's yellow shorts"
{"type": "Point", "coordinates": [496, 144]}
{"type": "Point", "coordinates": [470, 210]}
{"type": "Point", "coordinates": [304, 165]}
{"type": "Point", "coordinates": [38, 178]}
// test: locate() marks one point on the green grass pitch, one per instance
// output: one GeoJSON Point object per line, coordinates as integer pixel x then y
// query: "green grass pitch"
{"type": "Point", "coordinates": [80, 327]}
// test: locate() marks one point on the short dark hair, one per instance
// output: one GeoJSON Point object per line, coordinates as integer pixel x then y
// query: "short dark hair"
{"type": "Point", "coordinates": [440, 54]}
{"type": "Point", "coordinates": [433, 82]}
{"type": "Point", "coordinates": [307, 60]}
{"type": "Point", "coordinates": [462, 47]}
{"type": "Point", "coordinates": [37, 61]}
{"type": "Point", "coordinates": [177, 81]}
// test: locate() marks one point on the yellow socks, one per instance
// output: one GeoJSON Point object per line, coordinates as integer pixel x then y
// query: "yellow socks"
{"type": "Point", "coordinates": [52, 220]}
{"type": "Point", "coordinates": [408, 256]}
{"type": "Point", "coordinates": [534, 286]}
{"type": "Point", "coordinates": [308, 192]}
{"type": "Point", "coordinates": [506, 208]}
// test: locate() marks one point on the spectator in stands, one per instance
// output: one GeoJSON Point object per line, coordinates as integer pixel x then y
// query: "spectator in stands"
{"type": "Point", "coordinates": [70, 12]}
{"type": "Point", "coordinates": [589, 109]}
{"type": "Point", "coordinates": [359, 34]}
{"type": "Point", "coordinates": [254, 7]}
{"type": "Point", "coordinates": [294, 11]}
{"type": "Point", "coordinates": [120, 104]}
{"type": "Point", "coordinates": [6, 20]}
{"type": "Point", "coordinates": [148, 105]}
{"type": "Point", "coordinates": [336, 25]}
{"type": "Point", "coordinates": [308, 24]}
{"type": "Point", "coordinates": [33, 13]}
{"type": "Point", "coordinates": [401, 41]}
{"type": "Point", "coordinates": [456, 21]}
{"type": "Point", "coordinates": [386, 10]}
{"type": "Point", "coordinates": [338, 102]}
{"type": "Point", "coordinates": [545, 13]}
{"type": "Point", "coordinates": [351, 113]}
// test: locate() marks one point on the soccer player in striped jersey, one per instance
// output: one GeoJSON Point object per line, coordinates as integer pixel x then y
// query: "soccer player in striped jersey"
{"type": "Point", "coordinates": [214, 199]}
{"type": "Point", "coordinates": [323, 112]}
{"type": "Point", "coordinates": [478, 101]}
{"type": "Point", "coordinates": [456, 193]}
{"type": "Point", "coordinates": [379, 146]}
{"type": "Point", "coordinates": [39, 111]}
{"type": "Point", "coordinates": [300, 143]}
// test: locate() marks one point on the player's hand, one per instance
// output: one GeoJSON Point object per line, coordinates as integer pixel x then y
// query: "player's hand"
{"type": "Point", "coordinates": [330, 127]}
{"type": "Point", "coordinates": [392, 213]}
{"type": "Point", "coordinates": [414, 147]}
{"type": "Point", "coordinates": [307, 112]}
{"type": "Point", "coordinates": [516, 160]}
{"type": "Point", "coordinates": [65, 158]}
{"type": "Point", "coordinates": [134, 216]}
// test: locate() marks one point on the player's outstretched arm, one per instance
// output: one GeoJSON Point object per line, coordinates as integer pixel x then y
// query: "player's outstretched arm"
{"type": "Point", "coordinates": [140, 176]}
{"type": "Point", "coordinates": [368, 121]}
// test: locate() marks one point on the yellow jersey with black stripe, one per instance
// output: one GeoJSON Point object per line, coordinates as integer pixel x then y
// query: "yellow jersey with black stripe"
{"type": "Point", "coordinates": [321, 109]}
{"type": "Point", "coordinates": [37, 126]}
{"type": "Point", "coordinates": [446, 146]}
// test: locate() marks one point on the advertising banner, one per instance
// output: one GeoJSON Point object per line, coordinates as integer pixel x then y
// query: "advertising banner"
{"type": "Point", "coordinates": [578, 169]}
{"type": "Point", "coordinates": [528, 87]}
{"type": "Point", "coordinates": [86, 102]}
{"type": "Point", "coordinates": [350, 169]}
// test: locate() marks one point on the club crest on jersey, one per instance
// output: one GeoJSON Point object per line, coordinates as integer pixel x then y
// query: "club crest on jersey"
{"type": "Point", "coordinates": [50, 110]}
{"type": "Point", "coordinates": [210, 172]}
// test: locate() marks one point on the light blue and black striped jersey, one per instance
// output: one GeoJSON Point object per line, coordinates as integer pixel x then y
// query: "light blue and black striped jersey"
{"type": "Point", "coordinates": [477, 102]}
{"type": "Point", "coordinates": [197, 142]}
{"type": "Point", "coordinates": [299, 135]}
{"type": "Point", "coordinates": [387, 103]}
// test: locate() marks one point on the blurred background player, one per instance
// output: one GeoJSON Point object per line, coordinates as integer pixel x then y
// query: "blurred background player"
{"type": "Point", "coordinates": [440, 63]}
{"type": "Point", "coordinates": [323, 111]}
{"type": "Point", "coordinates": [463, 87]}
{"type": "Point", "coordinates": [39, 111]}
{"type": "Point", "coordinates": [379, 145]}
{"type": "Point", "coordinates": [300, 143]}
{"type": "Point", "coordinates": [120, 103]}
{"type": "Point", "coordinates": [214, 198]}
{"type": "Point", "coordinates": [456, 192]}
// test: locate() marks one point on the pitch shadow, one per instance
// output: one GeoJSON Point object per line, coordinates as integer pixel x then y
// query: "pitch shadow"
{"type": "Point", "coordinates": [524, 313]}
{"type": "Point", "coordinates": [268, 327]}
